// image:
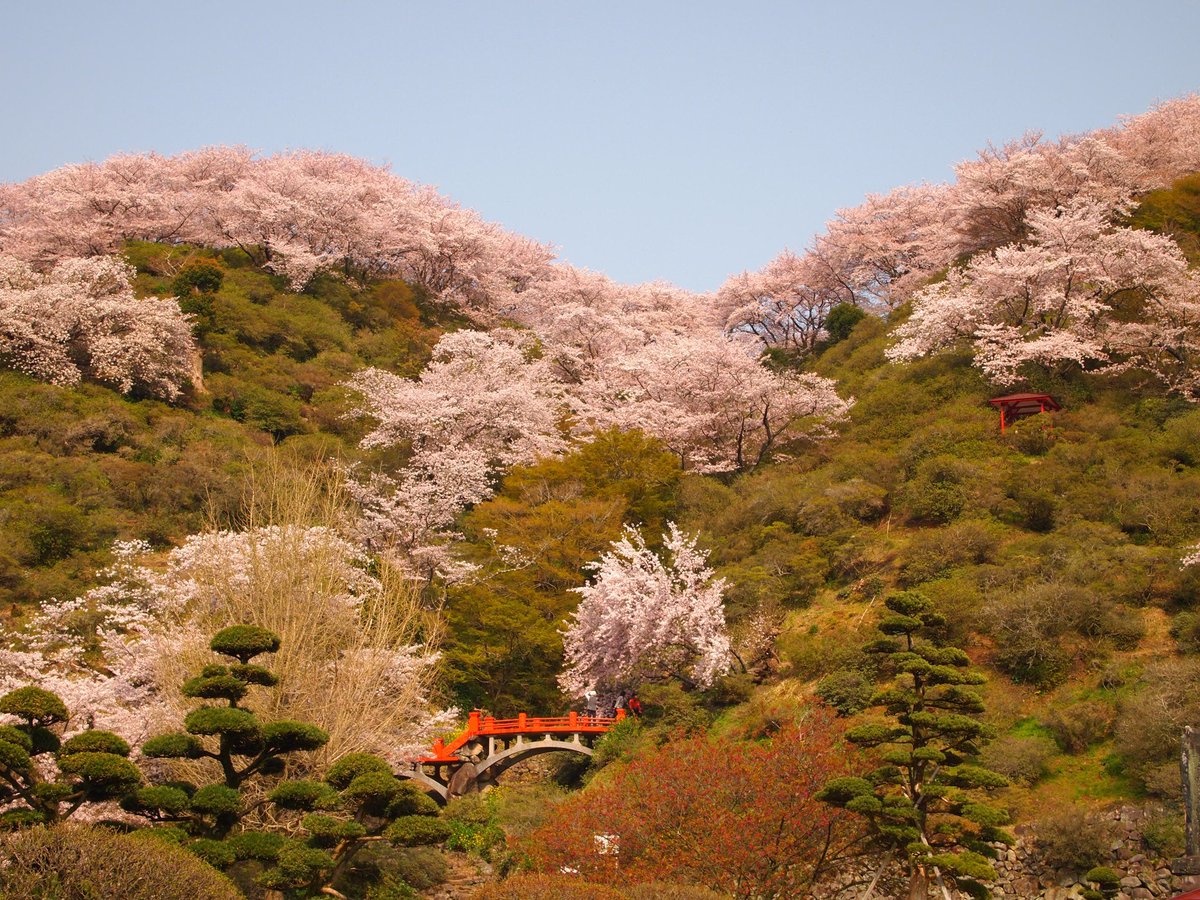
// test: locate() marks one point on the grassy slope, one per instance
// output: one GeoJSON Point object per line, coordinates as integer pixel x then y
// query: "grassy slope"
{"type": "Point", "coordinates": [1054, 552]}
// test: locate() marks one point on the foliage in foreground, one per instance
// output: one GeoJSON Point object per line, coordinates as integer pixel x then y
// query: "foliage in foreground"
{"type": "Point", "coordinates": [73, 861]}
{"type": "Point", "coordinates": [326, 822]}
{"type": "Point", "coordinates": [739, 816]}
{"type": "Point", "coordinates": [89, 767]}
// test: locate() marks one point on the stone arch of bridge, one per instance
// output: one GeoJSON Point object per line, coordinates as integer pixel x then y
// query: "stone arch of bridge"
{"type": "Point", "coordinates": [488, 747]}
{"type": "Point", "coordinates": [498, 762]}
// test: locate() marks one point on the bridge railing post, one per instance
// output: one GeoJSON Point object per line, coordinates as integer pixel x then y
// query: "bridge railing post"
{"type": "Point", "coordinates": [489, 723]}
{"type": "Point", "coordinates": [521, 718]}
{"type": "Point", "coordinates": [473, 721]}
{"type": "Point", "coordinates": [620, 714]}
{"type": "Point", "coordinates": [573, 719]}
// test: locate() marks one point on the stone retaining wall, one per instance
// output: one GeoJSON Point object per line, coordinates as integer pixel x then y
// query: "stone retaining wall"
{"type": "Point", "coordinates": [1023, 877]}
{"type": "Point", "coordinates": [1143, 875]}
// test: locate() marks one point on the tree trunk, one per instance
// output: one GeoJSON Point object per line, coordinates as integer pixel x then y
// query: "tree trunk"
{"type": "Point", "coordinates": [918, 885]}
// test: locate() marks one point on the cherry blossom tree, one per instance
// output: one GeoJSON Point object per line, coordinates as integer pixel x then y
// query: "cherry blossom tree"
{"type": "Point", "coordinates": [91, 209]}
{"type": "Point", "coordinates": [709, 400]}
{"type": "Point", "coordinates": [581, 310]}
{"type": "Point", "coordinates": [81, 319]}
{"type": "Point", "coordinates": [411, 517]}
{"type": "Point", "coordinates": [995, 193]}
{"type": "Point", "coordinates": [485, 402]}
{"type": "Point", "coordinates": [1192, 558]}
{"type": "Point", "coordinates": [583, 317]}
{"type": "Point", "coordinates": [1164, 141]}
{"type": "Point", "coordinates": [876, 254]}
{"type": "Point", "coordinates": [645, 618]}
{"type": "Point", "coordinates": [461, 258]}
{"type": "Point", "coordinates": [887, 246]}
{"type": "Point", "coordinates": [486, 391]}
{"type": "Point", "coordinates": [97, 651]}
{"type": "Point", "coordinates": [871, 256]}
{"type": "Point", "coordinates": [1080, 291]}
{"type": "Point", "coordinates": [296, 213]}
{"type": "Point", "coordinates": [785, 304]}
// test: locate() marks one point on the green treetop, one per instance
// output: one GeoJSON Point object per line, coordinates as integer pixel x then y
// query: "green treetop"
{"type": "Point", "coordinates": [233, 737]}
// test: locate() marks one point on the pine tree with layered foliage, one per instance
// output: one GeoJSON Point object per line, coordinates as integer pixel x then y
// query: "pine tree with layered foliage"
{"type": "Point", "coordinates": [925, 799]}
{"type": "Point", "coordinates": [244, 745]}
{"type": "Point", "coordinates": [359, 800]}
{"type": "Point", "coordinates": [91, 766]}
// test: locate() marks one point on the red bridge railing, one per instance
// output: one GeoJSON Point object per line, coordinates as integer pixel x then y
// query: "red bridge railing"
{"type": "Point", "coordinates": [479, 725]}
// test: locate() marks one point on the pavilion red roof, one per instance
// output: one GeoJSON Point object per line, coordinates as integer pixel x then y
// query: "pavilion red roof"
{"type": "Point", "coordinates": [1024, 404]}
{"type": "Point", "coordinates": [1016, 406]}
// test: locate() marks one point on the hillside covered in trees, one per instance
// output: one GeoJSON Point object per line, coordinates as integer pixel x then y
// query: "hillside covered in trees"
{"type": "Point", "coordinates": [431, 469]}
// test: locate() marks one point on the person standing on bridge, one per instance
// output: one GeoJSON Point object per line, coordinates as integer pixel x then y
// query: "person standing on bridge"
{"type": "Point", "coordinates": [619, 706]}
{"type": "Point", "coordinates": [589, 703]}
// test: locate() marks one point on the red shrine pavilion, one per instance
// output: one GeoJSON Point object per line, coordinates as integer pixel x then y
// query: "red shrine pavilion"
{"type": "Point", "coordinates": [1017, 406]}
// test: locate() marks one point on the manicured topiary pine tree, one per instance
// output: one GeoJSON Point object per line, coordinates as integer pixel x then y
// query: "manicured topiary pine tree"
{"type": "Point", "coordinates": [233, 737]}
{"type": "Point", "coordinates": [925, 799]}
{"type": "Point", "coordinates": [91, 765]}
{"type": "Point", "coordinates": [359, 800]}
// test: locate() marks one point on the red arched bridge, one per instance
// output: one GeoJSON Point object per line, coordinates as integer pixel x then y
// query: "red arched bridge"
{"type": "Point", "coordinates": [489, 746]}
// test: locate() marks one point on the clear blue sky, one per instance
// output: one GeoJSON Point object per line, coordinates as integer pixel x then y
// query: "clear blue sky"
{"type": "Point", "coordinates": [676, 140]}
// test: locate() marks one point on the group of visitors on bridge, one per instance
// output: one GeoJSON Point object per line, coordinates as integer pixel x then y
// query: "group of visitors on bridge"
{"type": "Point", "coordinates": [624, 702]}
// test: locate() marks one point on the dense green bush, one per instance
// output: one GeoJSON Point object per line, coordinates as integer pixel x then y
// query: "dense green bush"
{"type": "Point", "coordinates": [1080, 725]}
{"type": "Point", "coordinates": [1107, 881]}
{"type": "Point", "coordinates": [81, 862]}
{"type": "Point", "coordinates": [1073, 838]}
{"type": "Point", "coordinates": [846, 690]}
{"type": "Point", "coordinates": [621, 742]}
{"type": "Point", "coordinates": [200, 277]}
{"type": "Point", "coordinates": [841, 321]}
{"type": "Point", "coordinates": [1019, 758]}
{"type": "Point", "coordinates": [1165, 835]}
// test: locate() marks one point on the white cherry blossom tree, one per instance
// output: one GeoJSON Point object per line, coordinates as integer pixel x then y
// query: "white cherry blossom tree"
{"type": "Point", "coordinates": [644, 618]}
{"type": "Point", "coordinates": [487, 401]}
{"type": "Point", "coordinates": [709, 399]}
{"type": "Point", "coordinates": [1079, 291]}
{"type": "Point", "coordinates": [82, 320]}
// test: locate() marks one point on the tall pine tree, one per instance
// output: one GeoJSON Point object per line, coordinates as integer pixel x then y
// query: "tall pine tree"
{"type": "Point", "coordinates": [925, 800]}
